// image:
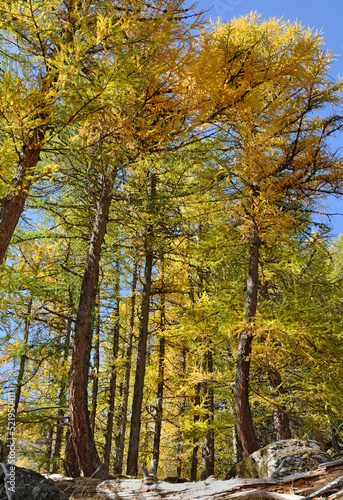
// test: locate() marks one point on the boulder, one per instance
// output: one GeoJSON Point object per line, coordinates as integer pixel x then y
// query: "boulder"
{"type": "Point", "coordinates": [282, 458]}
{"type": "Point", "coordinates": [26, 484]}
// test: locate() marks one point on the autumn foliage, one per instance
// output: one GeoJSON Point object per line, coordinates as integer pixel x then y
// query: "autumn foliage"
{"type": "Point", "coordinates": [167, 289]}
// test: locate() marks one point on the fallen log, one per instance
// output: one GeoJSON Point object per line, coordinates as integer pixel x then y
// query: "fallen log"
{"type": "Point", "coordinates": [327, 478]}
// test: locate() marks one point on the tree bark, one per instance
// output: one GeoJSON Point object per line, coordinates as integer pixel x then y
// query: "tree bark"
{"type": "Point", "coordinates": [243, 412]}
{"type": "Point", "coordinates": [280, 417]}
{"type": "Point", "coordinates": [21, 371]}
{"type": "Point", "coordinates": [160, 384]}
{"type": "Point", "coordinates": [113, 379]}
{"type": "Point", "coordinates": [132, 457]}
{"type": "Point", "coordinates": [207, 468]}
{"type": "Point", "coordinates": [159, 406]}
{"type": "Point", "coordinates": [62, 400]}
{"type": "Point", "coordinates": [179, 438]}
{"type": "Point", "coordinates": [236, 446]}
{"type": "Point", "coordinates": [85, 449]}
{"type": "Point", "coordinates": [71, 466]}
{"type": "Point", "coordinates": [49, 438]}
{"type": "Point", "coordinates": [12, 204]}
{"type": "Point", "coordinates": [194, 465]}
{"type": "Point", "coordinates": [120, 440]}
{"type": "Point", "coordinates": [95, 374]}
{"type": "Point", "coordinates": [23, 359]}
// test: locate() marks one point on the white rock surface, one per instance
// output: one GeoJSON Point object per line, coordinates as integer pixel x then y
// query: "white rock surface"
{"type": "Point", "coordinates": [283, 458]}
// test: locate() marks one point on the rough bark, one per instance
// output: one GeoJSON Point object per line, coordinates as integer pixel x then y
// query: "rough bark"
{"type": "Point", "coordinates": [120, 440]}
{"type": "Point", "coordinates": [113, 379]}
{"type": "Point", "coordinates": [160, 383]}
{"type": "Point", "coordinates": [49, 440]}
{"type": "Point", "coordinates": [207, 468]}
{"type": "Point", "coordinates": [194, 465]}
{"type": "Point", "coordinates": [86, 452]}
{"type": "Point", "coordinates": [70, 463]}
{"type": "Point", "coordinates": [132, 457]}
{"type": "Point", "coordinates": [95, 374]}
{"type": "Point", "coordinates": [62, 400]}
{"type": "Point", "coordinates": [21, 372]}
{"type": "Point", "coordinates": [243, 411]}
{"type": "Point", "coordinates": [280, 417]}
{"type": "Point", "coordinates": [159, 405]}
{"type": "Point", "coordinates": [236, 446]}
{"type": "Point", "coordinates": [23, 359]}
{"type": "Point", "coordinates": [12, 204]}
{"type": "Point", "coordinates": [179, 442]}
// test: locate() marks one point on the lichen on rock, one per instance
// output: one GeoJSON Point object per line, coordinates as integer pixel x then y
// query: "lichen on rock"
{"type": "Point", "coordinates": [282, 458]}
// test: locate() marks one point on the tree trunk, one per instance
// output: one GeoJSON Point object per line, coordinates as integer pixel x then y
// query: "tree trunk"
{"type": "Point", "coordinates": [113, 379]}
{"type": "Point", "coordinates": [86, 452]}
{"type": "Point", "coordinates": [132, 457]}
{"type": "Point", "coordinates": [71, 466]}
{"type": "Point", "coordinates": [179, 444]}
{"type": "Point", "coordinates": [159, 406]}
{"type": "Point", "coordinates": [95, 374]}
{"type": "Point", "coordinates": [12, 204]}
{"type": "Point", "coordinates": [120, 441]}
{"type": "Point", "coordinates": [281, 421]}
{"type": "Point", "coordinates": [236, 446]}
{"type": "Point", "coordinates": [21, 371]}
{"type": "Point", "coordinates": [62, 401]}
{"type": "Point", "coordinates": [207, 468]}
{"type": "Point", "coordinates": [48, 452]}
{"type": "Point", "coordinates": [194, 465]}
{"type": "Point", "coordinates": [160, 384]}
{"type": "Point", "coordinates": [243, 412]}
{"type": "Point", "coordinates": [23, 359]}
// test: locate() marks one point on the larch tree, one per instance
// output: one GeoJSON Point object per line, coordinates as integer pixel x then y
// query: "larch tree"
{"type": "Point", "coordinates": [276, 156]}
{"type": "Point", "coordinates": [140, 116]}
{"type": "Point", "coordinates": [49, 52]}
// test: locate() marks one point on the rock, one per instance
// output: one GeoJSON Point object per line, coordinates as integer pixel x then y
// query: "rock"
{"type": "Point", "coordinates": [282, 458]}
{"type": "Point", "coordinates": [28, 485]}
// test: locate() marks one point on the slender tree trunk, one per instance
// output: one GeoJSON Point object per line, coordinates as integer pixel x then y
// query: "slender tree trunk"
{"type": "Point", "coordinates": [281, 421]}
{"type": "Point", "coordinates": [194, 465]}
{"type": "Point", "coordinates": [62, 401]}
{"type": "Point", "coordinates": [120, 441]}
{"type": "Point", "coordinates": [23, 359]}
{"type": "Point", "coordinates": [207, 468]}
{"type": "Point", "coordinates": [86, 452]}
{"type": "Point", "coordinates": [179, 444]}
{"type": "Point", "coordinates": [12, 204]}
{"type": "Point", "coordinates": [243, 412]}
{"type": "Point", "coordinates": [70, 463]}
{"type": "Point", "coordinates": [113, 379]}
{"type": "Point", "coordinates": [95, 374]}
{"type": "Point", "coordinates": [132, 457]}
{"type": "Point", "coordinates": [49, 439]}
{"type": "Point", "coordinates": [159, 406]}
{"type": "Point", "coordinates": [160, 384]}
{"type": "Point", "coordinates": [21, 371]}
{"type": "Point", "coordinates": [236, 446]}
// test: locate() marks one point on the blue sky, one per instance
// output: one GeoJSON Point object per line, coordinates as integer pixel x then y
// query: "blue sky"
{"type": "Point", "coordinates": [323, 15]}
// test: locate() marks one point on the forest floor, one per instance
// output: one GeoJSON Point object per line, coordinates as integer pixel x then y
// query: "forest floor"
{"type": "Point", "coordinates": [324, 482]}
